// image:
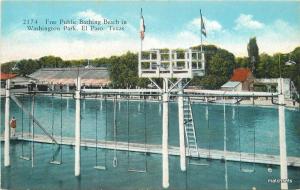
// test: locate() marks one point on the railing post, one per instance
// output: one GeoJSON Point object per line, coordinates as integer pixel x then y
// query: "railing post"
{"type": "Point", "coordinates": [175, 60]}
{"type": "Point", "coordinates": [7, 128]}
{"type": "Point", "coordinates": [197, 57]}
{"type": "Point", "coordinates": [77, 128]}
{"type": "Point", "coordinates": [165, 126]}
{"type": "Point", "coordinates": [171, 63]}
{"type": "Point", "coordinates": [190, 62]}
{"type": "Point", "coordinates": [140, 63]}
{"type": "Point", "coordinates": [181, 128]}
{"type": "Point", "coordinates": [158, 57]}
{"type": "Point", "coordinates": [202, 61]}
{"type": "Point", "coordinates": [150, 59]}
{"type": "Point", "coordinates": [185, 60]}
{"type": "Point", "coordinates": [282, 144]}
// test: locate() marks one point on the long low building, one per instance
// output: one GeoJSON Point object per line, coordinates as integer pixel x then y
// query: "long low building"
{"type": "Point", "coordinates": [65, 78]}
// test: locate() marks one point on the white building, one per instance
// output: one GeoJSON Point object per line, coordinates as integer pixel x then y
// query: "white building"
{"type": "Point", "coordinates": [232, 86]}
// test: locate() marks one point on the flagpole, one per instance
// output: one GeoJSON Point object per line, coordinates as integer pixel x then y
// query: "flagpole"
{"type": "Point", "coordinates": [201, 30]}
{"type": "Point", "coordinates": [141, 47]}
{"type": "Point", "coordinates": [141, 38]}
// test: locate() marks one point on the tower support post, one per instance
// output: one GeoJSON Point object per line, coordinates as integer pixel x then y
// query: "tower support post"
{"type": "Point", "coordinates": [165, 128]}
{"type": "Point", "coordinates": [77, 128]}
{"type": "Point", "coordinates": [181, 128]}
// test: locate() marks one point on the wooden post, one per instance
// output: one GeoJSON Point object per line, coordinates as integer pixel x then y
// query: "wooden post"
{"type": "Point", "coordinates": [7, 128]}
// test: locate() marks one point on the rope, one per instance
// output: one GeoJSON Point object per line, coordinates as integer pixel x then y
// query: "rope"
{"type": "Point", "coordinates": [145, 137]}
{"type": "Point", "coordinates": [225, 145]}
{"type": "Point", "coordinates": [115, 160]}
{"type": "Point", "coordinates": [145, 131]}
{"type": "Point", "coordinates": [61, 125]}
{"type": "Point", "coordinates": [128, 134]}
{"type": "Point", "coordinates": [238, 116]}
{"type": "Point", "coordinates": [208, 129]}
{"type": "Point", "coordinates": [105, 99]}
{"type": "Point", "coordinates": [22, 126]}
{"type": "Point", "coordinates": [58, 150]}
{"type": "Point", "coordinates": [254, 141]}
{"type": "Point", "coordinates": [52, 124]}
{"type": "Point", "coordinates": [29, 120]}
{"type": "Point", "coordinates": [32, 145]}
{"type": "Point", "coordinates": [96, 124]}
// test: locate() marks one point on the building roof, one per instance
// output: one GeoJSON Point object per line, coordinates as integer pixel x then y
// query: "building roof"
{"type": "Point", "coordinates": [95, 76]}
{"type": "Point", "coordinates": [230, 84]}
{"type": "Point", "coordinates": [20, 80]}
{"type": "Point", "coordinates": [240, 74]}
{"type": "Point", "coordinates": [5, 76]}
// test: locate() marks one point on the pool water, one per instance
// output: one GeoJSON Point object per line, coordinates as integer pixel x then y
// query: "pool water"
{"type": "Point", "coordinates": [245, 125]}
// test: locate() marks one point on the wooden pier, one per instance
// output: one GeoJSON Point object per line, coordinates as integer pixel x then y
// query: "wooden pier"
{"type": "Point", "coordinates": [156, 149]}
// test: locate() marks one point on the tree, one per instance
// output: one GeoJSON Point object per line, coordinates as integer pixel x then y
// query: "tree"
{"type": "Point", "coordinates": [264, 66]}
{"type": "Point", "coordinates": [253, 54]}
{"type": "Point", "coordinates": [219, 67]}
{"type": "Point", "coordinates": [242, 62]}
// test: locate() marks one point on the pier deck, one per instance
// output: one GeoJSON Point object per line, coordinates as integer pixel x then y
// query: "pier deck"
{"type": "Point", "coordinates": [156, 149]}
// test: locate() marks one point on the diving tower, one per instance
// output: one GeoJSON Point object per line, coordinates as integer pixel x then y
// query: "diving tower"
{"type": "Point", "coordinates": [158, 63]}
{"type": "Point", "coordinates": [176, 64]}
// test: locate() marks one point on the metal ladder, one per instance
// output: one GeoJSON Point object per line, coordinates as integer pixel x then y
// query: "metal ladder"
{"type": "Point", "coordinates": [294, 90]}
{"type": "Point", "coordinates": [189, 128]}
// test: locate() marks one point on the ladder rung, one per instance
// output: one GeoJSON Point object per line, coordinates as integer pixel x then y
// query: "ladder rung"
{"type": "Point", "coordinates": [189, 129]}
{"type": "Point", "coordinates": [190, 134]}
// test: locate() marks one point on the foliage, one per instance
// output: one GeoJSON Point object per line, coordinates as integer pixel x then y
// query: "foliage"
{"type": "Point", "coordinates": [253, 54]}
{"type": "Point", "coordinates": [242, 62]}
{"type": "Point", "coordinates": [124, 71]}
{"type": "Point", "coordinates": [219, 66]}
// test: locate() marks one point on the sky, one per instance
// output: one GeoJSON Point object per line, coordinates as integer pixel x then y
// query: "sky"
{"type": "Point", "coordinates": [169, 24]}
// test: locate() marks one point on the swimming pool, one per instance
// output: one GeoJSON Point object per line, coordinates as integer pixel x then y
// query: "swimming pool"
{"type": "Point", "coordinates": [240, 121]}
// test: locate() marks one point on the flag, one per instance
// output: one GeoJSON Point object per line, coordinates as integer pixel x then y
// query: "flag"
{"type": "Point", "coordinates": [203, 30]}
{"type": "Point", "coordinates": [142, 27]}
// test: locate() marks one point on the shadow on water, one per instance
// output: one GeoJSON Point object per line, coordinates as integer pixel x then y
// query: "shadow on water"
{"type": "Point", "coordinates": [78, 182]}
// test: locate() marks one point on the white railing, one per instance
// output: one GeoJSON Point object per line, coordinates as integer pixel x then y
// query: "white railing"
{"type": "Point", "coordinates": [171, 63]}
{"type": "Point", "coordinates": [187, 91]}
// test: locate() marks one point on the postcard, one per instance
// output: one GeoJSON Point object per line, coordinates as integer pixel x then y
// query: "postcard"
{"type": "Point", "coordinates": [150, 95]}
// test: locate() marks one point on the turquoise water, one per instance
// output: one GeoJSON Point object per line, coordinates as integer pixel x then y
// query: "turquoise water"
{"type": "Point", "coordinates": [209, 121]}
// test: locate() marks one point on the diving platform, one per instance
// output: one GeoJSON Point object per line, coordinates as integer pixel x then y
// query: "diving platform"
{"type": "Point", "coordinates": [158, 63]}
{"type": "Point", "coordinates": [157, 149]}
